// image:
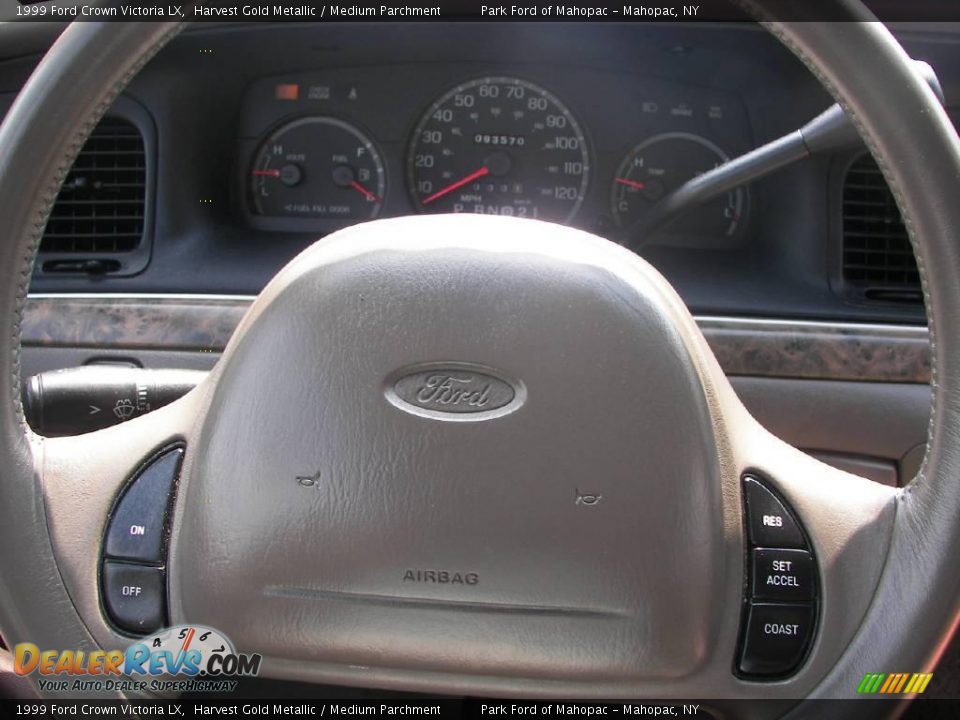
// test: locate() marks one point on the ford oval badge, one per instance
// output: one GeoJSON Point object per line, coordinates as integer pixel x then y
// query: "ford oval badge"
{"type": "Point", "coordinates": [454, 391]}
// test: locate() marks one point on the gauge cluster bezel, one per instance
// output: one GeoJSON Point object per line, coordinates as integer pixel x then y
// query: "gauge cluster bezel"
{"type": "Point", "coordinates": [388, 103]}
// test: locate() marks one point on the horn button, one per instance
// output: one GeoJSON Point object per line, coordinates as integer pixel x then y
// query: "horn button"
{"type": "Point", "coordinates": [462, 443]}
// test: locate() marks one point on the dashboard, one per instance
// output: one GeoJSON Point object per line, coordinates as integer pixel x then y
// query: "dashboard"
{"type": "Point", "coordinates": [508, 140]}
{"type": "Point", "coordinates": [257, 139]}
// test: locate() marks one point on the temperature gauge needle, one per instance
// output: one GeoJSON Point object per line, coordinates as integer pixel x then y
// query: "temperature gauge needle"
{"type": "Point", "coordinates": [363, 191]}
{"type": "Point", "coordinates": [631, 183]}
{"type": "Point", "coordinates": [458, 184]}
{"type": "Point", "coordinates": [267, 173]}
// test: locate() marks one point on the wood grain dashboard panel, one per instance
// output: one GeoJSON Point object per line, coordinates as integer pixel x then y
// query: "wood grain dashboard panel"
{"type": "Point", "coordinates": [744, 346]}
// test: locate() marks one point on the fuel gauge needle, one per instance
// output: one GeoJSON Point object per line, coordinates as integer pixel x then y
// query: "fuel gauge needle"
{"type": "Point", "coordinates": [458, 184]}
{"type": "Point", "coordinates": [631, 183]}
{"type": "Point", "coordinates": [363, 191]}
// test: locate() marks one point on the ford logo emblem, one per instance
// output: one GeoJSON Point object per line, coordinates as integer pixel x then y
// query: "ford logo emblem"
{"type": "Point", "coordinates": [454, 391]}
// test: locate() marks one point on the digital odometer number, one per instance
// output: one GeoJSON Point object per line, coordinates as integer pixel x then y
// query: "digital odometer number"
{"type": "Point", "coordinates": [499, 146]}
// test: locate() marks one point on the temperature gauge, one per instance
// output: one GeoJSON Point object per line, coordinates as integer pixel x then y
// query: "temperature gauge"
{"type": "Point", "coordinates": [659, 166]}
{"type": "Point", "coordinates": [318, 167]}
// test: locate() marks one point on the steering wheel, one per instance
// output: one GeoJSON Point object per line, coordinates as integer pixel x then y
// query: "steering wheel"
{"type": "Point", "coordinates": [528, 470]}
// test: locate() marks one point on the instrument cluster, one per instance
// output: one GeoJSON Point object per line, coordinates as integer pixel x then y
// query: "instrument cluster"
{"type": "Point", "coordinates": [319, 151]}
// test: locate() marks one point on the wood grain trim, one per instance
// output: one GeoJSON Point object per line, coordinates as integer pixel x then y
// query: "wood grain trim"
{"type": "Point", "coordinates": [822, 351]}
{"type": "Point", "coordinates": [184, 323]}
{"type": "Point", "coordinates": [768, 348]}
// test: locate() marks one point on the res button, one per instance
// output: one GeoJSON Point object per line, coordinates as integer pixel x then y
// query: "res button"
{"type": "Point", "coordinates": [770, 524]}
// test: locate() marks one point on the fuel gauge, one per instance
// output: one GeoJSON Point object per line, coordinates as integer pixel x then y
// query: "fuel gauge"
{"type": "Point", "coordinates": [318, 167]}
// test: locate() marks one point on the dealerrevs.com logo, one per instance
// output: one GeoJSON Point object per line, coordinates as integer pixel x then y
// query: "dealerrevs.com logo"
{"type": "Point", "coordinates": [185, 658]}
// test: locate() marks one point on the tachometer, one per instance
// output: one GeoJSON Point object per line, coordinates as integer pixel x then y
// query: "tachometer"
{"type": "Point", "coordinates": [499, 146]}
{"type": "Point", "coordinates": [660, 165]}
{"type": "Point", "coordinates": [318, 167]}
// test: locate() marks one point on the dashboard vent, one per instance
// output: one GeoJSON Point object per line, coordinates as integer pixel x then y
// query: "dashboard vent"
{"type": "Point", "coordinates": [101, 208]}
{"type": "Point", "coordinates": [878, 259]}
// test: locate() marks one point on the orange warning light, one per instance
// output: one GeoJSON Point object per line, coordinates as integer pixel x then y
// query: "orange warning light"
{"type": "Point", "coordinates": [287, 91]}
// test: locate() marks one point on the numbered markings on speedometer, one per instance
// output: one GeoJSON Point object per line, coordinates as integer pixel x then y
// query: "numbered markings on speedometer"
{"type": "Point", "coordinates": [318, 167]}
{"type": "Point", "coordinates": [499, 146]}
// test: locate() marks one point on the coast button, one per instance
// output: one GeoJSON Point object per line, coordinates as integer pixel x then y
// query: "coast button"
{"type": "Point", "coordinates": [776, 638]}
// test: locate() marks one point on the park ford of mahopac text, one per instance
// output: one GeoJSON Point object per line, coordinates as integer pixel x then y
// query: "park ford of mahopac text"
{"type": "Point", "coordinates": [587, 12]}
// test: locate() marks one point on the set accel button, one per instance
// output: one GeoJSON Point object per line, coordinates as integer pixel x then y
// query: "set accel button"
{"type": "Point", "coordinates": [782, 575]}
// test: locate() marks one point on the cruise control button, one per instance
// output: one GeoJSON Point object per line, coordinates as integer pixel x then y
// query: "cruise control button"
{"type": "Point", "coordinates": [136, 528]}
{"type": "Point", "coordinates": [133, 596]}
{"type": "Point", "coordinates": [769, 522]}
{"type": "Point", "coordinates": [782, 575]}
{"type": "Point", "coordinates": [776, 638]}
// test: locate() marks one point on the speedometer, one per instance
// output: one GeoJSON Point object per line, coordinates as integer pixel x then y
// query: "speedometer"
{"type": "Point", "coordinates": [499, 146]}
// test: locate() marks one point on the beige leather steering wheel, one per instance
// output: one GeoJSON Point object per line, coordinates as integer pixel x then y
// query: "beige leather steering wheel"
{"type": "Point", "coordinates": [641, 593]}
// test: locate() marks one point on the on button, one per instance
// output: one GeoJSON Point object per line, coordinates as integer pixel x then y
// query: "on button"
{"type": "Point", "coordinates": [136, 527]}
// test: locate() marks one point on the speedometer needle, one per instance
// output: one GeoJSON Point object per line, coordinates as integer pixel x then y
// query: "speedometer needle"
{"type": "Point", "coordinates": [631, 183]}
{"type": "Point", "coordinates": [458, 184]}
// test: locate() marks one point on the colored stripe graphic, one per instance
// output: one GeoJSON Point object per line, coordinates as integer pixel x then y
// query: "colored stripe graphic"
{"type": "Point", "coordinates": [891, 679]}
{"type": "Point", "coordinates": [870, 683]}
{"type": "Point", "coordinates": [894, 683]}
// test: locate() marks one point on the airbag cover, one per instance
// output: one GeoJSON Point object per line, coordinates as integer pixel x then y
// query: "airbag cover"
{"type": "Point", "coordinates": [566, 524]}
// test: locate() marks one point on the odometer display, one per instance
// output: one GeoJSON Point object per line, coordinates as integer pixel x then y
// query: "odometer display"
{"type": "Point", "coordinates": [499, 146]}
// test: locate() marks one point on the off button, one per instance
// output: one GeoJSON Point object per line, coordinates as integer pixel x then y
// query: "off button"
{"type": "Point", "coordinates": [134, 596]}
{"type": "Point", "coordinates": [782, 575]}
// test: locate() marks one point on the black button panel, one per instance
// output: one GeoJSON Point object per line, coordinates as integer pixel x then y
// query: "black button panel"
{"type": "Point", "coordinates": [133, 582]}
{"type": "Point", "coordinates": [781, 607]}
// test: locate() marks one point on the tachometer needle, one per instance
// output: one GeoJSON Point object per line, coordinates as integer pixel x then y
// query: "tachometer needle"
{"type": "Point", "coordinates": [631, 183]}
{"type": "Point", "coordinates": [267, 173]}
{"type": "Point", "coordinates": [458, 184]}
{"type": "Point", "coordinates": [363, 191]}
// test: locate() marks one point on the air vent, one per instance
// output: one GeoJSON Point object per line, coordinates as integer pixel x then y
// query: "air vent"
{"type": "Point", "coordinates": [100, 212]}
{"type": "Point", "coordinates": [878, 261]}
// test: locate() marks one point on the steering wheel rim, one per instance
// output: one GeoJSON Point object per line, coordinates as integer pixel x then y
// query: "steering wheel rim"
{"type": "Point", "coordinates": [915, 603]}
